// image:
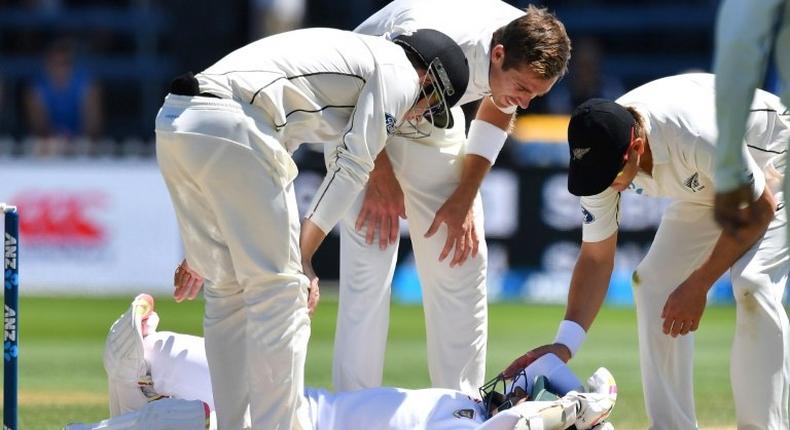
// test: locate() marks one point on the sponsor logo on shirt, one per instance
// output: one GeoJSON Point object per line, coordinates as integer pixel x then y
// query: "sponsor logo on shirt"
{"type": "Point", "coordinates": [588, 217]}
{"type": "Point", "coordinates": [633, 187]}
{"type": "Point", "coordinates": [464, 413]}
{"type": "Point", "coordinates": [389, 120]}
{"type": "Point", "coordinates": [692, 183]}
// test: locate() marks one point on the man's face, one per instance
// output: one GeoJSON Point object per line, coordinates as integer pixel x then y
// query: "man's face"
{"type": "Point", "coordinates": [428, 99]}
{"type": "Point", "coordinates": [516, 86]}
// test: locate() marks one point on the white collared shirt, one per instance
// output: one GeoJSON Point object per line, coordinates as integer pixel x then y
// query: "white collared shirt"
{"type": "Point", "coordinates": [680, 124]}
{"type": "Point", "coordinates": [470, 23]}
{"type": "Point", "coordinates": [322, 85]}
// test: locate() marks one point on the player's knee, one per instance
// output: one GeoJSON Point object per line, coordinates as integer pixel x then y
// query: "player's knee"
{"type": "Point", "coordinates": [746, 287]}
{"type": "Point", "coordinates": [646, 278]}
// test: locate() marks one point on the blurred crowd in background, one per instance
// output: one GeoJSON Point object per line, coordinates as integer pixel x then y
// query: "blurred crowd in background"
{"type": "Point", "coordinates": [87, 76]}
{"type": "Point", "coordinates": [81, 81]}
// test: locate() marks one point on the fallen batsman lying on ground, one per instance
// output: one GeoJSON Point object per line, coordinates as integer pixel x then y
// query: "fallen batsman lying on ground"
{"type": "Point", "coordinates": [160, 381]}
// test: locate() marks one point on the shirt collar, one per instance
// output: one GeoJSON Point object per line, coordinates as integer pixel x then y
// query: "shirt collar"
{"type": "Point", "coordinates": [479, 67]}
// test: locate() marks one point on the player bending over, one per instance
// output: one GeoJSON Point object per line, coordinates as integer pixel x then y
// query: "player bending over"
{"type": "Point", "coordinates": [160, 381]}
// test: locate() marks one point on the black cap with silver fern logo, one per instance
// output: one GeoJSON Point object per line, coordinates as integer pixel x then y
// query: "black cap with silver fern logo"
{"type": "Point", "coordinates": [599, 134]}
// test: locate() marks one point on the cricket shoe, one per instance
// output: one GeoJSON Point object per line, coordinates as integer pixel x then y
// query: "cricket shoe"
{"type": "Point", "coordinates": [596, 405]}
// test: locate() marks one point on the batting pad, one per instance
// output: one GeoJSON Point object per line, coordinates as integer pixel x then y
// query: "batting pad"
{"type": "Point", "coordinates": [165, 414]}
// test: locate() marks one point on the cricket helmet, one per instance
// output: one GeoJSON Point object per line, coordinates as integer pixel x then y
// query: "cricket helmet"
{"type": "Point", "coordinates": [447, 68]}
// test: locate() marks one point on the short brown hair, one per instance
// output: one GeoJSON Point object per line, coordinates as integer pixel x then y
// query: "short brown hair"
{"type": "Point", "coordinates": [639, 126]}
{"type": "Point", "coordinates": [536, 40]}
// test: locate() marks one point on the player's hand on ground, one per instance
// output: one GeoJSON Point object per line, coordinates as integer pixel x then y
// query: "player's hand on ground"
{"type": "Point", "coordinates": [187, 283]}
{"type": "Point", "coordinates": [684, 307]}
{"type": "Point", "coordinates": [382, 206]}
{"type": "Point", "coordinates": [733, 210]}
{"type": "Point", "coordinates": [525, 360]}
{"type": "Point", "coordinates": [462, 237]}
{"type": "Point", "coordinates": [313, 291]}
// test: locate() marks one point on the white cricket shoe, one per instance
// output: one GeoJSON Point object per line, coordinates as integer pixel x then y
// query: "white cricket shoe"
{"type": "Point", "coordinates": [596, 405]}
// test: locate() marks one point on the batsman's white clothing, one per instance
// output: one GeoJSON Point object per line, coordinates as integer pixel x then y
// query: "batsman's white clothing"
{"type": "Point", "coordinates": [227, 166]}
{"type": "Point", "coordinates": [681, 131]}
{"type": "Point", "coordinates": [746, 32]}
{"type": "Point", "coordinates": [178, 369]}
{"type": "Point", "coordinates": [428, 171]}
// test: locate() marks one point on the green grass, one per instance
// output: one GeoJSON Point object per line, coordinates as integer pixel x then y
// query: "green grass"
{"type": "Point", "coordinates": [61, 377]}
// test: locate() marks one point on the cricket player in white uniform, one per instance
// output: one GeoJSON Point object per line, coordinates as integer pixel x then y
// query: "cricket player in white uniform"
{"type": "Point", "coordinates": [659, 140]}
{"type": "Point", "coordinates": [224, 140]}
{"type": "Point", "coordinates": [144, 365]}
{"type": "Point", "coordinates": [746, 32]}
{"type": "Point", "coordinates": [513, 57]}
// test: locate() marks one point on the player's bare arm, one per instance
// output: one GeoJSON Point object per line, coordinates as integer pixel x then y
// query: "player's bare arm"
{"type": "Point", "coordinates": [684, 307]}
{"type": "Point", "coordinates": [457, 212]}
{"type": "Point", "coordinates": [589, 284]}
{"type": "Point", "coordinates": [743, 29]}
{"type": "Point", "coordinates": [382, 205]}
{"type": "Point", "coordinates": [734, 210]}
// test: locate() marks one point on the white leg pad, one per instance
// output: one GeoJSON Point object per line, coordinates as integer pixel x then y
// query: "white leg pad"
{"type": "Point", "coordinates": [165, 414]}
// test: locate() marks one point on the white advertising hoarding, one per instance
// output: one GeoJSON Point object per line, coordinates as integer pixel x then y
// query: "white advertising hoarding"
{"type": "Point", "coordinates": [92, 226]}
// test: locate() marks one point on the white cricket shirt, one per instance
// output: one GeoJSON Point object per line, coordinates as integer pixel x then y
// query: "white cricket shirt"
{"type": "Point", "coordinates": [389, 408]}
{"type": "Point", "coordinates": [470, 23]}
{"type": "Point", "coordinates": [322, 85]}
{"type": "Point", "coordinates": [681, 131]}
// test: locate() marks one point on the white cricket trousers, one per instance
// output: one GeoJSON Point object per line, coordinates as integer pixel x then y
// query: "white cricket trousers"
{"type": "Point", "coordinates": [760, 358]}
{"type": "Point", "coordinates": [233, 196]}
{"type": "Point", "coordinates": [454, 299]}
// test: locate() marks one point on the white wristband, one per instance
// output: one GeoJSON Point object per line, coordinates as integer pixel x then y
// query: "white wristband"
{"type": "Point", "coordinates": [570, 334]}
{"type": "Point", "coordinates": [485, 140]}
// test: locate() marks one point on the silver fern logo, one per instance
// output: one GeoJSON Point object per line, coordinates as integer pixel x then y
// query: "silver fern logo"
{"type": "Point", "coordinates": [579, 153]}
{"type": "Point", "coordinates": [389, 122]}
{"type": "Point", "coordinates": [692, 183]}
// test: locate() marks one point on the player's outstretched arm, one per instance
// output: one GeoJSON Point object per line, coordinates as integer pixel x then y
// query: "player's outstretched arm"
{"type": "Point", "coordinates": [589, 284]}
{"type": "Point", "coordinates": [685, 305]}
{"type": "Point", "coordinates": [487, 134]}
{"type": "Point", "coordinates": [382, 205]}
{"type": "Point", "coordinates": [744, 32]}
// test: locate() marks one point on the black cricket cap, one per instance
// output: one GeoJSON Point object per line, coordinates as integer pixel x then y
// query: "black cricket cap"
{"type": "Point", "coordinates": [599, 134]}
{"type": "Point", "coordinates": [453, 69]}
